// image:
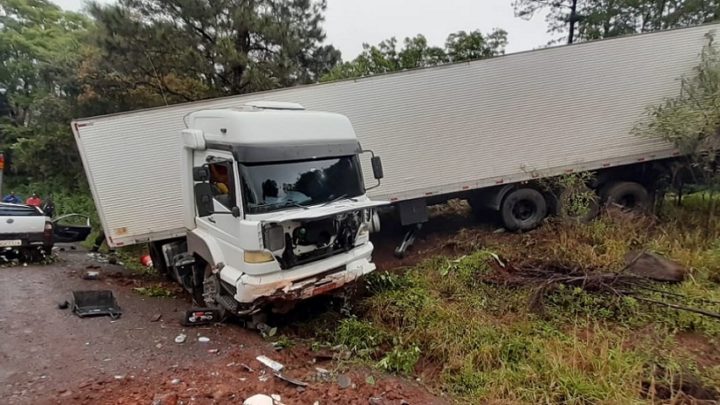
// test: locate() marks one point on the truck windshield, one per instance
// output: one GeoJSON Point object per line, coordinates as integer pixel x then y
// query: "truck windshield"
{"type": "Point", "coordinates": [270, 187]}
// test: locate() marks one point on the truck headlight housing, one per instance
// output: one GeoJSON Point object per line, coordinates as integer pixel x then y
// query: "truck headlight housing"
{"type": "Point", "coordinates": [274, 237]}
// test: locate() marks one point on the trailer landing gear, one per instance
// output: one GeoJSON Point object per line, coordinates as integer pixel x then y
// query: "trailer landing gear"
{"type": "Point", "coordinates": [408, 240]}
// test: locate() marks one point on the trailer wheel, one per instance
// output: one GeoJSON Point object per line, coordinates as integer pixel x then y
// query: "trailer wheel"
{"type": "Point", "coordinates": [523, 209]}
{"type": "Point", "coordinates": [627, 194]}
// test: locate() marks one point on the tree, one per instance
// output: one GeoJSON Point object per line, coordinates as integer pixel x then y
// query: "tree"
{"type": "Point", "coordinates": [462, 46]}
{"type": "Point", "coordinates": [416, 53]}
{"type": "Point", "coordinates": [37, 46]}
{"type": "Point", "coordinates": [191, 49]}
{"type": "Point", "coordinates": [608, 18]}
{"type": "Point", "coordinates": [38, 55]}
{"type": "Point", "coordinates": [691, 120]}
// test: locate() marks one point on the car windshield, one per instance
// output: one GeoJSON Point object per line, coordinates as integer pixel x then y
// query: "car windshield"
{"type": "Point", "coordinates": [270, 187]}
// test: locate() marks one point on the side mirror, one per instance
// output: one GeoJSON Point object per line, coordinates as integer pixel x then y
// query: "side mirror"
{"type": "Point", "coordinates": [377, 167]}
{"type": "Point", "coordinates": [201, 174]}
{"type": "Point", "coordinates": [235, 211]}
{"type": "Point", "coordinates": [203, 199]}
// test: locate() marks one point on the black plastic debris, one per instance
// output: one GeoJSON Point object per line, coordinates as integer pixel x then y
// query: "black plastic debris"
{"type": "Point", "coordinates": [95, 303]}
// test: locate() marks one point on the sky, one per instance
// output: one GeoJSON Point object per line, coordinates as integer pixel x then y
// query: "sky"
{"type": "Point", "coordinates": [349, 23]}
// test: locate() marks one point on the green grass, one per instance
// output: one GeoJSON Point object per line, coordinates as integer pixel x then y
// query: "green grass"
{"type": "Point", "coordinates": [446, 320]}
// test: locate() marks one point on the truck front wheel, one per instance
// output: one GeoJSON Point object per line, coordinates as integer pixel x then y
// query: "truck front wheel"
{"type": "Point", "coordinates": [209, 293]}
{"type": "Point", "coordinates": [523, 209]}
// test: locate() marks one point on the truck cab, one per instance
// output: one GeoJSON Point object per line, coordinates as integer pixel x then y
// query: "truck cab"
{"type": "Point", "coordinates": [275, 206]}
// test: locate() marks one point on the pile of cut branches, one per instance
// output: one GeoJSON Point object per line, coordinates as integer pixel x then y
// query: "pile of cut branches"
{"type": "Point", "coordinates": [545, 278]}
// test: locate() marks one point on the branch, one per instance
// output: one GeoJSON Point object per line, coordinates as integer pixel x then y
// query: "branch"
{"type": "Point", "coordinates": [680, 307]}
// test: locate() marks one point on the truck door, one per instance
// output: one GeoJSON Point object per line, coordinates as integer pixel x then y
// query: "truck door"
{"type": "Point", "coordinates": [222, 224]}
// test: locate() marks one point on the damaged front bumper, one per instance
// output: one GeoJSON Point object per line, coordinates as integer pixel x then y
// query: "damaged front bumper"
{"type": "Point", "coordinates": [307, 280]}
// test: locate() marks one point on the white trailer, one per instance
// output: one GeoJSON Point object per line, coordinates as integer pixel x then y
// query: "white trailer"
{"type": "Point", "coordinates": [482, 130]}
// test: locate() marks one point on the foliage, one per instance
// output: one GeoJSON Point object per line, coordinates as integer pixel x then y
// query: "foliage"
{"type": "Point", "coordinates": [400, 359]}
{"type": "Point", "coordinates": [598, 19]}
{"type": "Point", "coordinates": [691, 120]}
{"type": "Point", "coordinates": [460, 321]}
{"type": "Point", "coordinates": [575, 200]}
{"type": "Point", "coordinates": [154, 291]}
{"type": "Point", "coordinates": [57, 65]}
{"type": "Point", "coordinates": [416, 53]}
{"type": "Point", "coordinates": [38, 53]}
{"type": "Point", "coordinates": [360, 337]}
{"type": "Point", "coordinates": [187, 50]}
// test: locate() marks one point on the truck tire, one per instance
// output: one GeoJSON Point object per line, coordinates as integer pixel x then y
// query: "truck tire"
{"type": "Point", "coordinates": [523, 209]}
{"type": "Point", "coordinates": [158, 260]}
{"type": "Point", "coordinates": [210, 294]}
{"type": "Point", "coordinates": [627, 194]}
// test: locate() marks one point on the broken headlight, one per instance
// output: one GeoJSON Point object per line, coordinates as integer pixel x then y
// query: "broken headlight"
{"type": "Point", "coordinates": [274, 237]}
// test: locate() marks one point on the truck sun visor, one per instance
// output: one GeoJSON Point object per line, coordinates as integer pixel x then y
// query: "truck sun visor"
{"type": "Point", "coordinates": [278, 153]}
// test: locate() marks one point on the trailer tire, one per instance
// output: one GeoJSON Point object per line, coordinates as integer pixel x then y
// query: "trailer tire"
{"type": "Point", "coordinates": [523, 209]}
{"type": "Point", "coordinates": [158, 260]}
{"type": "Point", "coordinates": [627, 194]}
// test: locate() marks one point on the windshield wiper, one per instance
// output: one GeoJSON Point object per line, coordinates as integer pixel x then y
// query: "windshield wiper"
{"type": "Point", "coordinates": [342, 197]}
{"type": "Point", "coordinates": [294, 204]}
{"type": "Point", "coordinates": [280, 204]}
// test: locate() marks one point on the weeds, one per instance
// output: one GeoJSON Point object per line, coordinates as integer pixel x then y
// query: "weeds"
{"type": "Point", "coordinates": [400, 358]}
{"type": "Point", "coordinates": [154, 291]}
{"type": "Point", "coordinates": [454, 321]}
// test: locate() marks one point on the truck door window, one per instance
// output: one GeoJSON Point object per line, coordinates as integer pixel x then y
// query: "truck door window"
{"type": "Point", "coordinates": [221, 179]}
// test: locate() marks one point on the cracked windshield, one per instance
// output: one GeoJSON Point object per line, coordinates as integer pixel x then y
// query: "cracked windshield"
{"type": "Point", "coordinates": [269, 187]}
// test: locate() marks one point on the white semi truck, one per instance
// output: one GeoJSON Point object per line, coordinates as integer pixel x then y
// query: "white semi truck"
{"type": "Point", "coordinates": [487, 131]}
{"type": "Point", "coordinates": [244, 207]}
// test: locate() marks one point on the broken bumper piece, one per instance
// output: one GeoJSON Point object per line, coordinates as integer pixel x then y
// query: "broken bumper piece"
{"type": "Point", "coordinates": [308, 280]}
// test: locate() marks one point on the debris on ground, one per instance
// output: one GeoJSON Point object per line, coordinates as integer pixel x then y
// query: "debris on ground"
{"type": "Point", "coordinates": [290, 380]}
{"type": "Point", "coordinates": [274, 365]}
{"type": "Point", "coordinates": [344, 381]}
{"type": "Point", "coordinates": [200, 316]}
{"type": "Point", "coordinates": [203, 339]}
{"type": "Point", "coordinates": [181, 338]}
{"type": "Point", "coordinates": [259, 399]}
{"type": "Point", "coordinates": [165, 399]}
{"type": "Point", "coordinates": [655, 267]}
{"type": "Point", "coordinates": [63, 305]}
{"type": "Point", "coordinates": [95, 303]}
{"type": "Point", "coordinates": [91, 275]}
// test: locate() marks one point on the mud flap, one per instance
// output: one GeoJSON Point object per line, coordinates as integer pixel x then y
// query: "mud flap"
{"type": "Point", "coordinates": [95, 303]}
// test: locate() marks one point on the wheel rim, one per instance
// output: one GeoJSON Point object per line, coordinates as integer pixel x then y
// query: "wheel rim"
{"type": "Point", "coordinates": [524, 210]}
{"type": "Point", "coordinates": [628, 201]}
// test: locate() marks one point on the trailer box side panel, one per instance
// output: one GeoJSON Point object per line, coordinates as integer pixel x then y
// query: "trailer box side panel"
{"type": "Point", "coordinates": [134, 174]}
{"type": "Point", "coordinates": [439, 130]}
